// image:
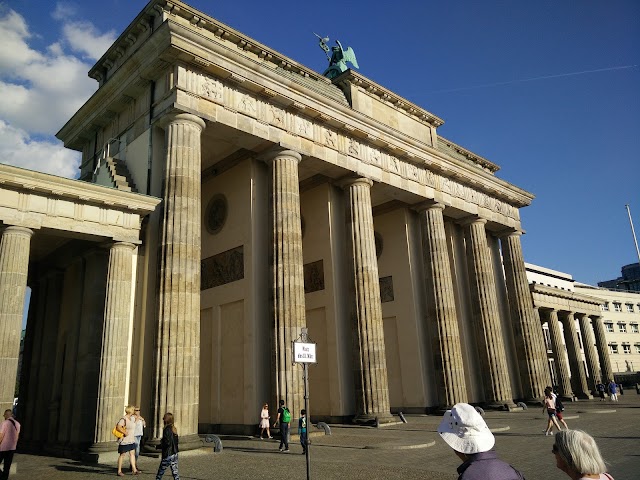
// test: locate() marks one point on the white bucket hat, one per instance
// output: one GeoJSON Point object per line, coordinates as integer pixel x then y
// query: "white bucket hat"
{"type": "Point", "coordinates": [464, 430]}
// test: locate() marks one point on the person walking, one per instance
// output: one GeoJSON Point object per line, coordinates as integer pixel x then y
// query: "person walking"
{"type": "Point", "coordinates": [284, 419]}
{"type": "Point", "coordinates": [302, 430]}
{"type": "Point", "coordinates": [466, 432]}
{"type": "Point", "coordinates": [600, 388]}
{"type": "Point", "coordinates": [169, 447]}
{"type": "Point", "coordinates": [578, 455]}
{"type": "Point", "coordinates": [9, 434]}
{"type": "Point", "coordinates": [559, 406]}
{"type": "Point", "coordinates": [127, 444]}
{"type": "Point", "coordinates": [613, 391]}
{"type": "Point", "coordinates": [264, 421]}
{"type": "Point", "coordinates": [550, 408]}
{"type": "Point", "coordinates": [139, 429]}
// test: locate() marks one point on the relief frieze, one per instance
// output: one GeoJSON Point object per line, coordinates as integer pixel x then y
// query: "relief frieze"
{"type": "Point", "coordinates": [214, 89]}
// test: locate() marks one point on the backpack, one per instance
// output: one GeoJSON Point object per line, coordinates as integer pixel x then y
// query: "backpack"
{"type": "Point", "coordinates": [559, 405]}
{"type": "Point", "coordinates": [286, 415]}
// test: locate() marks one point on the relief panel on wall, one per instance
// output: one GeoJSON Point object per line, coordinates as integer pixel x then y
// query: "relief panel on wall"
{"type": "Point", "coordinates": [225, 267]}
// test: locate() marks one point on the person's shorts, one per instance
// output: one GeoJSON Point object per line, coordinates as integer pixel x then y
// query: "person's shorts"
{"type": "Point", "coordinates": [551, 412]}
{"type": "Point", "coordinates": [559, 415]}
{"type": "Point", "coordinates": [126, 448]}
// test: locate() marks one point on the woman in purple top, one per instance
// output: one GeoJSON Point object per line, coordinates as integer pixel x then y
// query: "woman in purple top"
{"type": "Point", "coordinates": [466, 432]}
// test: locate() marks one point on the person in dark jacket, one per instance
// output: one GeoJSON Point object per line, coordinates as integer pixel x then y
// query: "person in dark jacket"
{"type": "Point", "coordinates": [466, 432]}
{"type": "Point", "coordinates": [169, 447]}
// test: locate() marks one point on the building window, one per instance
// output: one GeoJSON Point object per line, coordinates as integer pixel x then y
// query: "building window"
{"type": "Point", "coordinates": [634, 328]}
{"type": "Point", "coordinates": [622, 327]}
{"type": "Point", "coordinates": [629, 307]}
{"type": "Point", "coordinates": [609, 327]}
{"type": "Point", "coordinates": [637, 347]}
{"type": "Point", "coordinates": [617, 306]}
{"type": "Point", "coordinates": [547, 338]}
{"type": "Point", "coordinates": [626, 348]}
{"type": "Point", "coordinates": [605, 307]}
{"type": "Point", "coordinates": [613, 348]}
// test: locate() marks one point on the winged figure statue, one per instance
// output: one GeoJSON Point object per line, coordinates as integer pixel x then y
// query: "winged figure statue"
{"type": "Point", "coordinates": [339, 58]}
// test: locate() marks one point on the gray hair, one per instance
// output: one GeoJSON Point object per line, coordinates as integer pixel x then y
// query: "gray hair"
{"type": "Point", "coordinates": [579, 452]}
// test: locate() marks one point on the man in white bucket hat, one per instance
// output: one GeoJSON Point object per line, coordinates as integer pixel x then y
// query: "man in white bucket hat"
{"type": "Point", "coordinates": [464, 430]}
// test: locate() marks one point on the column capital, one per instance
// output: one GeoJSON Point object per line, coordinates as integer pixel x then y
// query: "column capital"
{"type": "Point", "coordinates": [472, 219]}
{"type": "Point", "coordinates": [509, 232]}
{"type": "Point", "coordinates": [280, 152]}
{"type": "Point", "coordinates": [429, 205]}
{"type": "Point", "coordinates": [180, 117]}
{"type": "Point", "coordinates": [350, 181]}
{"type": "Point", "coordinates": [122, 245]}
{"type": "Point", "coordinates": [16, 230]}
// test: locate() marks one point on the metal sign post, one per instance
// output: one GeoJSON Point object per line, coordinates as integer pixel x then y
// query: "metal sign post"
{"type": "Point", "coordinates": [304, 352]}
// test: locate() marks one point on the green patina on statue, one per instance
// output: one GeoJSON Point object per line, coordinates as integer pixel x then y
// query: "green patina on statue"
{"type": "Point", "coordinates": [338, 59]}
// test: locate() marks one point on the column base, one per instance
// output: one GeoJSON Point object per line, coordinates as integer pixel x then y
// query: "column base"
{"type": "Point", "coordinates": [504, 405]}
{"type": "Point", "coordinates": [584, 396]}
{"type": "Point", "coordinates": [370, 418]}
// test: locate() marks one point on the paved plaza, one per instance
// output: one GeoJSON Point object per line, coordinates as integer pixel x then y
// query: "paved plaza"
{"type": "Point", "coordinates": [404, 451]}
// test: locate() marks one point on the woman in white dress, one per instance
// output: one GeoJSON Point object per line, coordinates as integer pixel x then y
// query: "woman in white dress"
{"type": "Point", "coordinates": [264, 421]}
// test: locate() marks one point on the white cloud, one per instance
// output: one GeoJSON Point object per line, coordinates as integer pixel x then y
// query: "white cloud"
{"type": "Point", "coordinates": [18, 149]}
{"type": "Point", "coordinates": [83, 37]}
{"type": "Point", "coordinates": [42, 89]}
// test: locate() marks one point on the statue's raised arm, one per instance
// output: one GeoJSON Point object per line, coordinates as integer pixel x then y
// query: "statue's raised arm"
{"type": "Point", "coordinates": [339, 59]}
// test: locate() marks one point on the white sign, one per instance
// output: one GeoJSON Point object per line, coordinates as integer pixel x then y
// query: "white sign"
{"type": "Point", "coordinates": [304, 352]}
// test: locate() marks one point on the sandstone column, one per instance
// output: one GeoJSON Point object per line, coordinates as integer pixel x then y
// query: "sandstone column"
{"type": "Point", "coordinates": [578, 377]}
{"type": "Point", "coordinates": [603, 350]}
{"type": "Point", "coordinates": [486, 315]}
{"type": "Point", "coordinates": [14, 264]}
{"type": "Point", "coordinates": [370, 364]}
{"type": "Point", "coordinates": [562, 366]}
{"type": "Point", "coordinates": [177, 365]}
{"type": "Point", "coordinates": [530, 348]}
{"type": "Point", "coordinates": [590, 353]}
{"type": "Point", "coordinates": [288, 276]}
{"type": "Point", "coordinates": [115, 341]}
{"type": "Point", "coordinates": [441, 307]}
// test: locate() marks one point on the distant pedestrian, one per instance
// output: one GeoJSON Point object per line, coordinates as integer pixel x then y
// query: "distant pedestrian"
{"type": "Point", "coordinates": [284, 419]}
{"type": "Point", "coordinates": [302, 430]}
{"type": "Point", "coordinates": [169, 447]}
{"type": "Point", "coordinates": [139, 430]}
{"type": "Point", "coordinates": [264, 421]}
{"type": "Point", "coordinates": [9, 433]}
{"type": "Point", "coordinates": [613, 391]}
{"type": "Point", "coordinates": [578, 455]}
{"type": "Point", "coordinates": [559, 406]}
{"type": "Point", "coordinates": [466, 432]}
{"type": "Point", "coordinates": [550, 408]}
{"type": "Point", "coordinates": [600, 388]}
{"type": "Point", "coordinates": [621, 389]}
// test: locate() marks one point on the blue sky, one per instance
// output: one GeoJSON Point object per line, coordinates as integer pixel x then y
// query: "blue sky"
{"type": "Point", "coordinates": [571, 137]}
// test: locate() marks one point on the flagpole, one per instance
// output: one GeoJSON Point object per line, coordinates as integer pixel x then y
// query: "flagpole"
{"type": "Point", "coordinates": [633, 231]}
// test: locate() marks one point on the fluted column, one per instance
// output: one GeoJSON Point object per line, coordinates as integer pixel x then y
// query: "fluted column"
{"type": "Point", "coordinates": [370, 364]}
{"type": "Point", "coordinates": [177, 374]}
{"type": "Point", "coordinates": [115, 341]}
{"type": "Point", "coordinates": [578, 377]}
{"type": "Point", "coordinates": [14, 264]}
{"type": "Point", "coordinates": [603, 350]}
{"type": "Point", "coordinates": [287, 275]}
{"type": "Point", "coordinates": [441, 308]}
{"type": "Point", "coordinates": [562, 366]}
{"type": "Point", "coordinates": [486, 315]}
{"type": "Point", "coordinates": [590, 353]}
{"type": "Point", "coordinates": [530, 348]}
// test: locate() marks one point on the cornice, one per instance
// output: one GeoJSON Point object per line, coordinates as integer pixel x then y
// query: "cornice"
{"type": "Point", "coordinates": [65, 188]}
{"type": "Point", "coordinates": [564, 294]}
{"type": "Point", "coordinates": [469, 155]}
{"type": "Point", "coordinates": [389, 97]}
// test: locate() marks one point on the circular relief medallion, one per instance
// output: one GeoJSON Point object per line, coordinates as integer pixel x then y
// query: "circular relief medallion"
{"type": "Point", "coordinates": [216, 215]}
{"type": "Point", "coordinates": [379, 244]}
